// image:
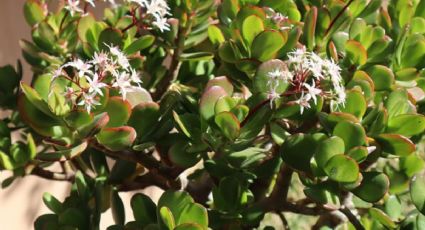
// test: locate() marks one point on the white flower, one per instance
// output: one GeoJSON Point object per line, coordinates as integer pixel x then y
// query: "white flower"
{"type": "Point", "coordinates": [273, 95]}
{"type": "Point", "coordinates": [121, 58]}
{"type": "Point", "coordinates": [89, 101]}
{"type": "Point", "coordinates": [111, 68]}
{"type": "Point", "coordinates": [297, 59]}
{"type": "Point", "coordinates": [315, 65]}
{"type": "Point", "coordinates": [100, 59]}
{"type": "Point", "coordinates": [69, 93]}
{"type": "Point", "coordinates": [157, 8]}
{"type": "Point", "coordinates": [304, 102]}
{"type": "Point", "coordinates": [161, 24]}
{"type": "Point", "coordinates": [278, 74]}
{"type": "Point", "coordinates": [95, 85]}
{"type": "Point", "coordinates": [312, 91]}
{"type": "Point", "coordinates": [73, 6]}
{"type": "Point", "coordinates": [135, 76]}
{"type": "Point", "coordinates": [81, 66]}
{"type": "Point", "coordinates": [123, 82]}
{"type": "Point", "coordinates": [278, 18]}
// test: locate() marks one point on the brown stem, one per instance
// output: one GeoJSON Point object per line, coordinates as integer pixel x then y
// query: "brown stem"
{"type": "Point", "coordinates": [144, 181]}
{"type": "Point", "coordinates": [154, 166]}
{"type": "Point", "coordinates": [345, 208]}
{"type": "Point", "coordinates": [46, 174]}
{"type": "Point", "coordinates": [352, 218]}
{"type": "Point", "coordinates": [338, 16]}
{"type": "Point", "coordinates": [175, 64]}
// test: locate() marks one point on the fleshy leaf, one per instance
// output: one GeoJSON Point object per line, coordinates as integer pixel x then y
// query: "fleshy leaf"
{"type": "Point", "coordinates": [117, 138]}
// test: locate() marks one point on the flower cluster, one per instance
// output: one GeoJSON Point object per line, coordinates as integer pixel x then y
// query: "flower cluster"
{"type": "Point", "coordinates": [279, 19]}
{"type": "Point", "coordinates": [105, 70]}
{"type": "Point", "coordinates": [309, 76]}
{"type": "Point", "coordinates": [73, 6]}
{"type": "Point", "coordinates": [156, 9]}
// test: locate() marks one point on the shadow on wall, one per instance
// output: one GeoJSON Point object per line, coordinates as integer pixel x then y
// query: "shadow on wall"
{"type": "Point", "coordinates": [22, 202]}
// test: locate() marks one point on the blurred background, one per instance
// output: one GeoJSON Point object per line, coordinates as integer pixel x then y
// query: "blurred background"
{"type": "Point", "coordinates": [21, 203]}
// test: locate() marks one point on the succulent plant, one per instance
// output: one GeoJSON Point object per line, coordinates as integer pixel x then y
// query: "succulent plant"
{"type": "Point", "coordinates": [237, 109]}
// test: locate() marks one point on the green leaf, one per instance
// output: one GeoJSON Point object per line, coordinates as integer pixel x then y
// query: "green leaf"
{"type": "Point", "coordinates": [358, 153]}
{"type": "Point", "coordinates": [32, 147]}
{"type": "Point", "coordinates": [117, 208]}
{"type": "Point", "coordinates": [382, 76]}
{"type": "Point", "coordinates": [224, 104]}
{"type": "Point", "coordinates": [174, 201]}
{"type": "Point", "coordinates": [355, 104]}
{"type": "Point", "coordinates": [196, 56]}
{"type": "Point", "coordinates": [215, 35]}
{"type": "Point", "coordinates": [267, 44]}
{"type": "Point", "coordinates": [85, 27]}
{"type": "Point", "coordinates": [144, 209]}
{"type": "Point", "coordinates": [63, 155]}
{"type": "Point", "coordinates": [110, 37]}
{"type": "Point", "coordinates": [167, 218]}
{"type": "Point", "coordinates": [393, 207]}
{"type": "Point", "coordinates": [119, 111]}
{"type": "Point", "coordinates": [397, 103]}
{"type": "Point", "coordinates": [208, 101]}
{"type": "Point", "coordinates": [52, 203]}
{"type": "Point", "coordinates": [140, 44]}
{"type": "Point", "coordinates": [342, 168]}
{"type": "Point", "coordinates": [380, 216]}
{"type": "Point", "coordinates": [223, 82]}
{"type": "Point", "coordinates": [251, 27]}
{"type": "Point", "coordinates": [396, 144]}
{"type": "Point", "coordinates": [412, 164]}
{"type": "Point", "coordinates": [179, 155]}
{"type": "Point", "coordinates": [189, 226]}
{"type": "Point", "coordinates": [355, 52]}
{"type": "Point", "coordinates": [117, 138]}
{"type": "Point", "coordinates": [310, 27]}
{"type": "Point", "coordinates": [373, 186]}
{"type": "Point", "coordinates": [353, 134]}
{"type": "Point", "coordinates": [228, 124]}
{"type": "Point", "coordinates": [144, 118]}
{"type": "Point", "coordinates": [47, 222]}
{"type": "Point", "coordinates": [293, 146]}
{"type": "Point", "coordinates": [327, 149]}
{"type": "Point", "coordinates": [94, 126]}
{"type": "Point", "coordinates": [33, 12]}
{"type": "Point", "coordinates": [188, 124]}
{"type": "Point", "coordinates": [407, 124]}
{"type": "Point", "coordinates": [6, 162]}
{"type": "Point", "coordinates": [246, 158]}
{"type": "Point", "coordinates": [323, 193]}
{"type": "Point", "coordinates": [417, 188]}
{"type": "Point", "coordinates": [194, 213]}
{"type": "Point", "coordinates": [35, 99]}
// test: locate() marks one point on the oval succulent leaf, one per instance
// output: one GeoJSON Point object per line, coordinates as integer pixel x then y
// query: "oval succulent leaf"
{"type": "Point", "coordinates": [396, 144]}
{"type": "Point", "coordinates": [342, 168]}
{"type": "Point", "coordinates": [117, 138]}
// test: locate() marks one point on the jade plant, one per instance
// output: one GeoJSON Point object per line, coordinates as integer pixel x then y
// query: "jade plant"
{"type": "Point", "coordinates": [248, 114]}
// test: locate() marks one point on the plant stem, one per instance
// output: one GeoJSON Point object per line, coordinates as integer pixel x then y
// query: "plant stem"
{"type": "Point", "coordinates": [338, 16]}
{"type": "Point", "coordinates": [175, 64]}
{"type": "Point", "coordinates": [352, 218]}
{"type": "Point", "coordinates": [46, 174]}
{"type": "Point", "coordinates": [154, 166]}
